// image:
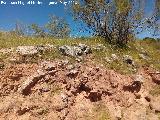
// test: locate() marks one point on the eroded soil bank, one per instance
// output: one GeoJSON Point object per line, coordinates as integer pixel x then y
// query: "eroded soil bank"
{"type": "Point", "coordinates": [60, 90]}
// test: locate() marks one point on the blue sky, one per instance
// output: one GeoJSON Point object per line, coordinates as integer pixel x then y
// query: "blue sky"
{"type": "Point", "coordinates": [9, 14]}
{"type": "Point", "coordinates": [28, 14]}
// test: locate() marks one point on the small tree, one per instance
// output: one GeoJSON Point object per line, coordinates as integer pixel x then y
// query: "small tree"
{"type": "Point", "coordinates": [37, 31]}
{"type": "Point", "coordinates": [115, 20]}
{"type": "Point", "coordinates": [58, 27]}
{"type": "Point", "coordinates": [20, 29]}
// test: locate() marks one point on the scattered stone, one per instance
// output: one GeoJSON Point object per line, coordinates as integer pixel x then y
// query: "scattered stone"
{"type": "Point", "coordinates": [66, 50]}
{"type": "Point", "coordinates": [64, 97]}
{"type": "Point", "coordinates": [88, 51]}
{"type": "Point", "coordinates": [33, 50]}
{"type": "Point", "coordinates": [107, 59]}
{"type": "Point", "coordinates": [15, 76]}
{"type": "Point", "coordinates": [72, 73]}
{"type": "Point", "coordinates": [13, 60]}
{"type": "Point", "coordinates": [83, 47]}
{"type": "Point", "coordinates": [48, 66]}
{"type": "Point", "coordinates": [44, 88]}
{"type": "Point", "coordinates": [114, 57]}
{"type": "Point", "coordinates": [75, 50]}
{"type": "Point", "coordinates": [64, 113]}
{"type": "Point", "coordinates": [91, 84]}
{"type": "Point", "coordinates": [45, 47]}
{"type": "Point", "coordinates": [22, 111]}
{"type": "Point", "coordinates": [139, 79]}
{"type": "Point", "coordinates": [65, 62]}
{"type": "Point", "coordinates": [27, 50]}
{"type": "Point", "coordinates": [142, 56]}
{"type": "Point", "coordinates": [40, 48]}
{"type": "Point", "coordinates": [155, 77]}
{"type": "Point", "coordinates": [135, 85]}
{"type": "Point", "coordinates": [6, 50]}
{"type": "Point", "coordinates": [99, 47]}
{"type": "Point", "coordinates": [79, 59]}
{"type": "Point", "coordinates": [128, 59]}
{"type": "Point", "coordinates": [48, 46]}
{"type": "Point", "coordinates": [30, 82]}
{"type": "Point", "coordinates": [118, 113]}
{"type": "Point", "coordinates": [70, 67]}
{"type": "Point", "coordinates": [59, 103]}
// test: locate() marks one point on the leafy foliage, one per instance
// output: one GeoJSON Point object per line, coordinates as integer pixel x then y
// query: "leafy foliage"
{"type": "Point", "coordinates": [58, 27]}
{"type": "Point", "coordinates": [115, 20]}
{"type": "Point", "coordinates": [37, 31]}
{"type": "Point", "coordinates": [20, 29]}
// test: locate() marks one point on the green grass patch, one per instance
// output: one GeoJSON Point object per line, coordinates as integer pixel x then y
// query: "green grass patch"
{"type": "Point", "coordinates": [155, 91]}
{"type": "Point", "coordinates": [150, 47]}
{"type": "Point", "coordinates": [102, 112]}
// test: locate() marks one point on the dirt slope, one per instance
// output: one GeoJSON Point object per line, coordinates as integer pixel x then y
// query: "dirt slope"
{"type": "Point", "coordinates": [59, 90]}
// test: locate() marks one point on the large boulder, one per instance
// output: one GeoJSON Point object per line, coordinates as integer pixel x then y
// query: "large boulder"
{"type": "Point", "coordinates": [75, 50]}
{"type": "Point", "coordinates": [66, 50]}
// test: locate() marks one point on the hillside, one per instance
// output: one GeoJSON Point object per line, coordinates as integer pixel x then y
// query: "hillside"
{"type": "Point", "coordinates": [78, 79]}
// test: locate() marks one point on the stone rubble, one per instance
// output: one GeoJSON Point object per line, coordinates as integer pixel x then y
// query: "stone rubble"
{"type": "Point", "coordinates": [75, 51]}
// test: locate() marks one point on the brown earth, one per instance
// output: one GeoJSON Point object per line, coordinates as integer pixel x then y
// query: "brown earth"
{"type": "Point", "coordinates": [59, 90]}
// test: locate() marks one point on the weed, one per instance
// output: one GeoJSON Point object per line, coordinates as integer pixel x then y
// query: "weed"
{"type": "Point", "coordinates": [155, 91]}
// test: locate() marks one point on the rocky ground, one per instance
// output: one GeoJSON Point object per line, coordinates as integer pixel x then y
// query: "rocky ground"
{"type": "Point", "coordinates": [83, 90]}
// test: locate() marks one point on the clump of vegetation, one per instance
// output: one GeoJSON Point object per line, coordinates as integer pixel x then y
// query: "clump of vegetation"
{"type": "Point", "coordinates": [20, 29]}
{"type": "Point", "coordinates": [155, 91]}
{"type": "Point", "coordinates": [99, 112]}
{"type": "Point", "coordinates": [144, 53]}
{"type": "Point", "coordinates": [37, 31]}
{"type": "Point", "coordinates": [1, 65]}
{"type": "Point", "coordinates": [55, 90]}
{"type": "Point", "coordinates": [102, 112]}
{"type": "Point", "coordinates": [43, 111]}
